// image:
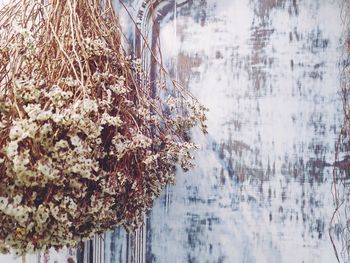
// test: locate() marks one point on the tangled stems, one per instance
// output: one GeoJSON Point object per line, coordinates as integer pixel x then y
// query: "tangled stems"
{"type": "Point", "coordinates": [84, 146]}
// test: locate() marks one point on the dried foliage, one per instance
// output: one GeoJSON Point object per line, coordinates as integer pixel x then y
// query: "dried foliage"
{"type": "Point", "coordinates": [339, 230]}
{"type": "Point", "coordinates": [86, 141]}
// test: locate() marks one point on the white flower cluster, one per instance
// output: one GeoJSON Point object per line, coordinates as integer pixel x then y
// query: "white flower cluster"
{"type": "Point", "coordinates": [96, 47]}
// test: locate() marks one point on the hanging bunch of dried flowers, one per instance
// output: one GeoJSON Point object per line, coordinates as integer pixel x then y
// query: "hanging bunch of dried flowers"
{"type": "Point", "coordinates": [84, 145]}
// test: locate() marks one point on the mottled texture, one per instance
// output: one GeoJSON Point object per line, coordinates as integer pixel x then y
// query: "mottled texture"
{"type": "Point", "coordinates": [268, 71]}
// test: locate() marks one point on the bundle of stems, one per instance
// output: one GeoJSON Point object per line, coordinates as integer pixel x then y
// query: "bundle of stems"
{"type": "Point", "coordinates": [86, 143]}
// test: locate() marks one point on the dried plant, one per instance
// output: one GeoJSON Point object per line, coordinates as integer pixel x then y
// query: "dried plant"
{"type": "Point", "coordinates": [339, 230]}
{"type": "Point", "coordinates": [86, 141]}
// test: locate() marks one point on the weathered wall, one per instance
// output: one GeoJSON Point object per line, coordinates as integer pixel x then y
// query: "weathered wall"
{"type": "Point", "coordinates": [261, 192]}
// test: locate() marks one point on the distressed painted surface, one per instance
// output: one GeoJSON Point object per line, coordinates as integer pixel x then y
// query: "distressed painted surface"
{"type": "Point", "coordinates": [261, 192]}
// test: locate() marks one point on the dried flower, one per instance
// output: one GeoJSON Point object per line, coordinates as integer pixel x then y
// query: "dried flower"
{"type": "Point", "coordinates": [86, 144]}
